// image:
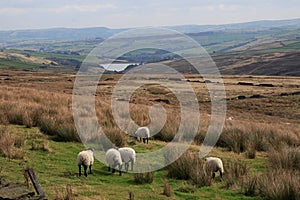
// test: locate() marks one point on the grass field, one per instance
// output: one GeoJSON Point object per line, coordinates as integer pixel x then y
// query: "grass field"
{"type": "Point", "coordinates": [261, 130]}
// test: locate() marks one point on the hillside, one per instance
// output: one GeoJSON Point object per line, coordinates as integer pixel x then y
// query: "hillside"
{"type": "Point", "coordinates": [214, 38]}
{"type": "Point", "coordinates": [254, 48]}
{"type": "Point", "coordinates": [104, 32]}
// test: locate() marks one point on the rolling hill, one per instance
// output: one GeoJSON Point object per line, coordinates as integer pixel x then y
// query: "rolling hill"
{"type": "Point", "coordinates": [260, 48]}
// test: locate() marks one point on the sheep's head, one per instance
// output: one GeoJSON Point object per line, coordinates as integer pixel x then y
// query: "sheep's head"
{"type": "Point", "coordinates": [135, 135]}
{"type": "Point", "coordinates": [91, 149]}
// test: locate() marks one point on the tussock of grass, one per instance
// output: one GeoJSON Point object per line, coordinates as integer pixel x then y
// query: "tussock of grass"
{"type": "Point", "coordinates": [144, 178]}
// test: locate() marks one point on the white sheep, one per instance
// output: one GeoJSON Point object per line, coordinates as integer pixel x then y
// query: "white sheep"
{"type": "Point", "coordinates": [114, 160]}
{"type": "Point", "coordinates": [86, 159]}
{"type": "Point", "coordinates": [127, 155]}
{"type": "Point", "coordinates": [213, 164]}
{"type": "Point", "coordinates": [142, 133]}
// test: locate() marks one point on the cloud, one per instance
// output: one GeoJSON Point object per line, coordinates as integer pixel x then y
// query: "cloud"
{"type": "Point", "coordinates": [224, 7]}
{"type": "Point", "coordinates": [13, 11]}
{"type": "Point", "coordinates": [9, 11]}
{"type": "Point", "coordinates": [83, 8]}
{"type": "Point", "coordinates": [219, 7]}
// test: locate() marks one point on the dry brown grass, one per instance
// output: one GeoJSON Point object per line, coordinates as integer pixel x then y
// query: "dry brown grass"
{"type": "Point", "coordinates": [280, 185]}
{"type": "Point", "coordinates": [144, 178]}
{"type": "Point", "coordinates": [239, 136]}
{"type": "Point", "coordinates": [168, 191]}
{"type": "Point", "coordinates": [187, 167]}
{"type": "Point", "coordinates": [280, 180]}
{"type": "Point", "coordinates": [66, 194]}
{"type": "Point", "coordinates": [44, 100]}
{"type": "Point", "coordinates": [11, 145]}
{"type": "Point", "coordinates": [235, 172]}
{"type": "Point", "coordinates": [286, 158]}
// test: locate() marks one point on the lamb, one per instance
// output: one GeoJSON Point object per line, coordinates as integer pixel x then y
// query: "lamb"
{"type": "Point", "coordinates": [86, 159]}
{"type": "Point", "coordinates": [127, 155]}
{"type": "Point", "coordinates": [213, 164]}
{"type": "Point", "coordinates": [142, 133]}
{"type": "Point", "coordinates": [114, 159]}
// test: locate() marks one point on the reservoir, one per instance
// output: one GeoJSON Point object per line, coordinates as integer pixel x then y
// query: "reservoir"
{"type": "Point", "coordinates": [117, 66]}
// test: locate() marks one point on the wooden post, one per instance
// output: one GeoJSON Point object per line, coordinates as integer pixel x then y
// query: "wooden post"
{"type": "Point", "coordinates": [35, 182]}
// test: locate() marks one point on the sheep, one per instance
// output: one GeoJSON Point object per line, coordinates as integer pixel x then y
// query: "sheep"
{"type": "Point", "coordinates": [86, 159]}
{"type": "Point", "coordinates": [114, 159]}
{"type": "Point", "coordinates": [213, 164]}
{"type": "Point", "coordinates": [142, 133]}
{"type": "Point", "coordinates": [127, 155]}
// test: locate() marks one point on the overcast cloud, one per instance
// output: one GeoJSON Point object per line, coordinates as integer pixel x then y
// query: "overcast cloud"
{"type": "Point", "coordinates": [28, 14]}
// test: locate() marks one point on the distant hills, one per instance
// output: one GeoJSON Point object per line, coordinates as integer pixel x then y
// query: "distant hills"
{"type": "Point", "coordinates": [256, 25]}
{"type": "Point", "coordinates": [103, 32]}
{"type": "Point", "coordinates": [253, 48]}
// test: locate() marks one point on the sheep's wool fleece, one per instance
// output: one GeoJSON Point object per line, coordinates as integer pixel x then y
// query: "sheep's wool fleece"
{"type": "Point", "coordinates": [127, 154]}
{"type": "Point", "coordinates": [143, 132]}
{"type": "Point", "coordinates": [85, 157]}
{"type": "Point", "coordinates": [214, 164]}
{"type": "Point", "coordinates": [113, 157]}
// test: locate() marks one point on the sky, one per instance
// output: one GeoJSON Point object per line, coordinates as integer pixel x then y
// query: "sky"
{"type": "Point", "coordinates": [39, 14]}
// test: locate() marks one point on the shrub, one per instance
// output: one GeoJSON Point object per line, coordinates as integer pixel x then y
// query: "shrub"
{"type": "Point", "coordinates": [280, 184]}
{"type": "Point", "coordinates": [286, 158]}
{"type": "Point", "coordinates": [250, 152]}
{"type": "Point", "coordinates": [198, 178]}
{"type": "Point", "coordinates": [234, 139]}
{"type": "Point", "coordinates": [143, 178]}
{"type": "Point", "coordinates": [258, 140]}
{"type": "Point", "coordinates": [234, 172]}
{"type": "Point", "coordinates": [116, 136]}
{"type": "Point", "coordinates": [249, 186]}
{"type": "Point", "coordinates": [187, 167]}
{"type": "Point", "coordinates": [7, 144]}
{"type": "Point", "coordinates": [165, 136]}
{"type": "Point", "coordinates": [60, 128]}
{"type": "Point", "coordinates": [11, 145]}
{"type": "Point", "coordinates": [181, 168]}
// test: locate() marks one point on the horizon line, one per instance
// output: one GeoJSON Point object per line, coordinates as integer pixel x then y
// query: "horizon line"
{"type": "Point", "coordinates": [116, 28]}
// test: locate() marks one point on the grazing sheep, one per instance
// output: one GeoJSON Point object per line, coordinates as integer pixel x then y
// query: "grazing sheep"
{"type": "Point", "coordinates": [113, 159]}
{"type": "Point", "coordinates": [214, 164]}
{"type": "Point", "coordinates": [86, 159]}
{"type": "Point", "coordinates": [142, 133]}
{"type": "Point", "coordinates": [127, 155]}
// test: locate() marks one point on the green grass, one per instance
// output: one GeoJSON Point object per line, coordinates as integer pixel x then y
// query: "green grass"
{"type": "Point", "coordinates": [17, 64]}
{"type": "Point", "coordinates": [56, 168]}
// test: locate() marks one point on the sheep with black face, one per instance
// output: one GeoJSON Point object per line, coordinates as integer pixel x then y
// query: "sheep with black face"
{"type": "Point", "coordinates": [114, 160]}
{"type": "Point", "coordinates": [86, 159]}
{"type": "Point", "coordinates": [213, 165]}
{"type": "Point", "coordinates": [143, 133]}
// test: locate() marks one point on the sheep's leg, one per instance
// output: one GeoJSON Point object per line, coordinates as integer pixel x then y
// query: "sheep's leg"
{"type": "Point", "coordinates": [109, 168]}
{"type": "Point", "coordinates": [131, 165]}
{"type": "Point", "coordinates": [79, 168]}
{"type": "Point", "coordinates": [90, 169]}
{"type": "Point", "coordinates": [147, 140]}
{"type": "Point", "coordinates": [85, 168]}
{"type": "Point", "coordinates": [113, 170]}
{"type": "Point", "coordinates": [213, 175]}
{"type": "Point", "coordinates": [120, 170]}
{"type": "Point", "coordinates": [144, 140]}
{"type": "Point", "coordinates": [221, 174]}
{"type": "Point", "coordinates": [126, 166]}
